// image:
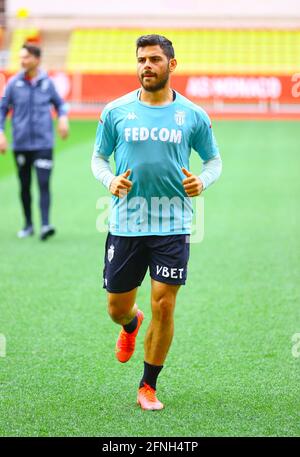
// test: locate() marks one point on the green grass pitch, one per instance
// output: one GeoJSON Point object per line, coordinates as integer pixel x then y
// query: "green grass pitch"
{"type": "Point", "coordinates": [230, 370]}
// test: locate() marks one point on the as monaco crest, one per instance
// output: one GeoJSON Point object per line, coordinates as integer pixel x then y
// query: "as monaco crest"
{"type": "Point", "coordinates": [110, 252]}
{"type": "Point", "coordinates": [179, 117]}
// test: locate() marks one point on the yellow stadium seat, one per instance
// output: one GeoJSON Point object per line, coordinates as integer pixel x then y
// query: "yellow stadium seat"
{"type": "Point", "coordinates": [197, 50]}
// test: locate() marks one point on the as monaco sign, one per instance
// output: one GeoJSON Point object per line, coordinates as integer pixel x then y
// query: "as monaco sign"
{"type": "Point", "coordinates": [199, 88]}
{"type": "Point", "coordinates": [102, 88]}
{"type": "Point", "coordinates": [234, 87]}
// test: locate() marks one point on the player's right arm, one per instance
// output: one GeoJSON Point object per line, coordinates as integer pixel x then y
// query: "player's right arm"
{"type": "Point", "coordinates": [104, 146]}
{"type": "Point", "coordinates": [120, 185]}
{"type": "Point", "coordinates": [117, 185]}
{"type": "Point", "coordinates": [5, 106]}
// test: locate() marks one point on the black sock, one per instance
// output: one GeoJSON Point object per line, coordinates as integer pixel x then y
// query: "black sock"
{"type": "Point", "coordinates": [130, 328]}
{"type": "Point", "coordinates": [150, 375]}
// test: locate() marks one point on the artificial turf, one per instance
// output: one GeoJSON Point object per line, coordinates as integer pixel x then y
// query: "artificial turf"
{"type": "Point", "coordinates": [230, 370]}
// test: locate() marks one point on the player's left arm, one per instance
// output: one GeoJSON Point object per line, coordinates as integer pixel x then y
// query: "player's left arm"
{"type": "Point", "coordinates": [206, 146]}
{"type": "Point", "coordinates": [61, 110]}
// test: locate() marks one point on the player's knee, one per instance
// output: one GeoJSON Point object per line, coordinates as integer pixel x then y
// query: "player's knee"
{"type": "Point", "coordinates": [164, 309]}
{"type": "Point", "coordinates": [116, 313]}
{"type": "Point", "coordinates": [44, 185]}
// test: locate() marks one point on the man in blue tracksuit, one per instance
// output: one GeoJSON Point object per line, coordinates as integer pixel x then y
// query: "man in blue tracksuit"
{"type": "Point", "coordinates": [30, 94]}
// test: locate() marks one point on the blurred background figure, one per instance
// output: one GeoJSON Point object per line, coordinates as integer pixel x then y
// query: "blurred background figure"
{"type": "Point", "coordinates": [31, 94]}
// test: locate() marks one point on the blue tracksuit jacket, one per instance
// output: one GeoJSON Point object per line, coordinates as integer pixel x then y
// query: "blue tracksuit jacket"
{"type": "Point", "coordinates": [31, 104]}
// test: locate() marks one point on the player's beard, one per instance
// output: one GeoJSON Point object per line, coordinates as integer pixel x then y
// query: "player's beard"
{"type": "Point", "coordinates": [156, 83]}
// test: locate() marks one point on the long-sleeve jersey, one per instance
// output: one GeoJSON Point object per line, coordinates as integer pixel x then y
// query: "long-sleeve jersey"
{"type": "Point", "coordinates": [155, 143]}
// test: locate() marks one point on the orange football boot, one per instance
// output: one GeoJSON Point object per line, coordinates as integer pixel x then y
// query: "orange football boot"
{"type": "Point", "coordinates": [126, 341]}
{"type": "Point", "coordinates": [147, 399]}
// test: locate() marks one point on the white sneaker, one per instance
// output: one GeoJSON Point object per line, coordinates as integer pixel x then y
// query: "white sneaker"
{"type": "Point", "coordinates": [25, 232]}
{"type": "Point", "coordinates": [46, 231]}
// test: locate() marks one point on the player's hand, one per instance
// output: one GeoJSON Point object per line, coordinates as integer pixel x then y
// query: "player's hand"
{"type": "Point", "coordinates": [3, 143]}
{"type": "Point", "coordinates": [63, 127]}
{"type": "Point", "coordinates": [120, 185]}
{"type": "Point", "coordinates": [192, 184]}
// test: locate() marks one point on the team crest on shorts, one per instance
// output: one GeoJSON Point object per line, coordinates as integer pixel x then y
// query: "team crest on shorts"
{"type": "Point", "coordinates": [21, 160]}
{"type": "Point", "coordinates": [110, 252]}
{"type": "Point", "coordinates": [179, 117]}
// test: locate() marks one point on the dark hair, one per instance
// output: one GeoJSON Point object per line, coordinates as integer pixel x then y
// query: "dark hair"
{"type": "Point", "coordinates": [32, 49]}
{"type": "Point", "coordinates": [153, 40]}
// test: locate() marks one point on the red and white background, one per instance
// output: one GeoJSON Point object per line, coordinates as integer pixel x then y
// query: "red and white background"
{"type": "Point", "coordinates": [223, 94]}
{"type": "Point", "coordinates": [270, 95]}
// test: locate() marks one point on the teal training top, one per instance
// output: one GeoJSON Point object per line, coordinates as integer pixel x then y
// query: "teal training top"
{"type": "Point", "coordinates": [154, 142]}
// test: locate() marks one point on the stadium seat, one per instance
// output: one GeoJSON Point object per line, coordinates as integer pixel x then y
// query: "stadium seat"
{"type": "Point", "coordinates": [198, 50]}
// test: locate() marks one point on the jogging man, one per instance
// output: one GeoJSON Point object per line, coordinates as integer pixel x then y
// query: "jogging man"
{"type": "Point", "coordinates": [151, 132]}
{"type": "Point", "coordinates": [31, 94]}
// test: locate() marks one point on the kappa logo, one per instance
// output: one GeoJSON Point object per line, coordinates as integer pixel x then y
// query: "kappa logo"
{"type": "Point", "coordinates": [110, 252]}
{"type": "Point", "coordinates": [131, 116]}
{"type": "Point", "coordinates": [21, 160]}
{"type": "Point", "coordinates": [179, 117]}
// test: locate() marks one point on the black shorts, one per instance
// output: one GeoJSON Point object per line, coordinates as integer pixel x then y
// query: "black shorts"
{"type": "Point", "coordinates": [127, 259]}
